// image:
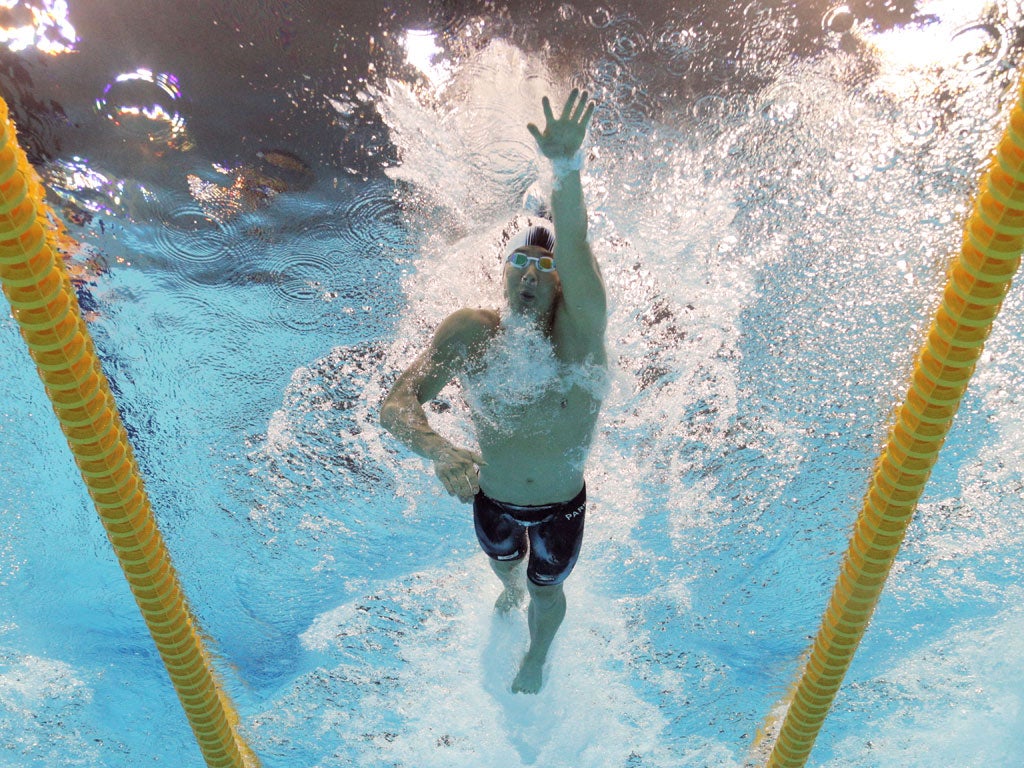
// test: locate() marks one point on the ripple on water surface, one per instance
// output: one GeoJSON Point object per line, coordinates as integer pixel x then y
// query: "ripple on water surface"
{"type": "Point", "coordinates": [188, 237]}
{"type": "Point", "coordinates": [676, 44]}
{"type": "Point", "coordinates": [306, 284]}
{"type": "Point", "coordinates": [373, 220]}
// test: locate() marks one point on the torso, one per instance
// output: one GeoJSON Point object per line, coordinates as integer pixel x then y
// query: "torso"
{"type": "Point", "coordinates": [534, 401]}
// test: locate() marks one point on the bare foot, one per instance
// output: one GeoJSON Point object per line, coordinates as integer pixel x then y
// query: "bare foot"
{"type": "Point", "coordinates": [509, 600]}
{"type": "Point", "coordinates": [530, 677]}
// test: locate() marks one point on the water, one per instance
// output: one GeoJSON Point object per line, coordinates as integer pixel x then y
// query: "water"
{"type": "Point", "coordinates": [271, 236]}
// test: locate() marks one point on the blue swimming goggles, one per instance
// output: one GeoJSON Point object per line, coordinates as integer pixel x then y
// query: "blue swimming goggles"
{"type": "Point", "coordinates": [520, 260]}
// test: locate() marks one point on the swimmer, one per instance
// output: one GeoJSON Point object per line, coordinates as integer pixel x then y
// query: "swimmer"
{"type": "Point", "coordinates": [526, 483]}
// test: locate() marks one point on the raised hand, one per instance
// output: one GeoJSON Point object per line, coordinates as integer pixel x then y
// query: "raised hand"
{"type": "Point", "coordinates": [562, 138]}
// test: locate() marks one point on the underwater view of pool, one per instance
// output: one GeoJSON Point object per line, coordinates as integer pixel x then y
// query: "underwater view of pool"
{"type": "Point", "coordinates": [273, 205]}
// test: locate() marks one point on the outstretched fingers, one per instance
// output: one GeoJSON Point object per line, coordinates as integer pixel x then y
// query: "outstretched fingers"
{"type": "Point", "coordinates": [548, 114]}
{"type": "Point", "coordinates": [578, 109]}
{"type": "Point", "coordinates": [580, 106]}
{"type": "Point", "coordinates": [588, 114]}
{"type": "Point", "coordinates": [570, 103]}
{"type": "Point", "coordinates": [562, 137]}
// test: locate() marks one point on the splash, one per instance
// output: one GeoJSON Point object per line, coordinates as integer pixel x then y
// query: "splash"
{"type": "Point", "coordinates": [521, 369]}
{"type": "Point", "coordinates": [459, 657]}
{"type": "Point", "coordinates": [754, 253]}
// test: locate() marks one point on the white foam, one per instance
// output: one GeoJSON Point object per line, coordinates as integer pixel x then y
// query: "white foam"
{"type": "Point", "coordinates": [521, 364]}
{"type": "Point", "coordinates": [453, 683]}
{"type": "Point", "coordinates": [43, 711]}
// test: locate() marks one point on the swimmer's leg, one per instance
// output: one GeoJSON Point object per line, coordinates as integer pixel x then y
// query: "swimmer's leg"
{"type": "Point", "coordinates": [504, 541]}
{"type": "Point", "coordinates": [547, 609]}
{"type": "Point", "coordinates": [511, 574]}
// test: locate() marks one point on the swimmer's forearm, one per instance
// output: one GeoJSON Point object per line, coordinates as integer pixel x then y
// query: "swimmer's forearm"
{"type": "Point", "coordinates": [456, 468]}
{"type": "Point", "coordinates": [561, 142]}
{"type": "Point", "coordinates": [583, 291]}
{"type": "Point", "coordinates": [408, 423]}
{"type": "Point", "coordinates": [569, 208]}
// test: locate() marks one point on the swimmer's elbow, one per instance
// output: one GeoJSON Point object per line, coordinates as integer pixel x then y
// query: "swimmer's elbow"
{"type": "Point", "coordinates": [396, 413]}
{"type": "Point", "coordinates": [390, 415]}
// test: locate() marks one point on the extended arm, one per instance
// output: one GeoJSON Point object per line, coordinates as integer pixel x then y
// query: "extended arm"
{"type": "Point", "coordinates": [403, 416]}
{"type": "Point", "coordinates": [583, 292]}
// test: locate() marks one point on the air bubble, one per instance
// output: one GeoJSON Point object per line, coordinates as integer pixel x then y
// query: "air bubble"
{"type": "Point", "coordinates": [145, 106]}
{"type": "Point", "coordinates": [601, 18]}
{"type": "Point", "coordinates": [978, 46]}
{"type": "Point", "coordinates": [839, 19]}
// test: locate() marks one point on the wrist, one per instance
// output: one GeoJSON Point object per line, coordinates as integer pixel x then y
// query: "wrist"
{"type": "Point", "coordinates": [563, 166]}
{"type": "Point", "coordinates": [437, 448]}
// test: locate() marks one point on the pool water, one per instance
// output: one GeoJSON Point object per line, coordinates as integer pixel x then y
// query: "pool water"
{"type": "Point", "coordinates": [275, 204]}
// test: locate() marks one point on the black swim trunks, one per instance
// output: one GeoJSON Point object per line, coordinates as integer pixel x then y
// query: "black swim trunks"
{"type": "Point", "coordinates": [554, 532]}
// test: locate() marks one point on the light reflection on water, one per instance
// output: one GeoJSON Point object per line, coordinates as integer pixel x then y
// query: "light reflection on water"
{"type": "Point", "coordinates": [773, 231]}
{"type": "Point", "coordinates": [43, 25]}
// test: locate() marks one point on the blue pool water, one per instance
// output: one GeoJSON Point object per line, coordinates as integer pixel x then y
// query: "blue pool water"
{"type": "Point", "coordinates": [277, 202]}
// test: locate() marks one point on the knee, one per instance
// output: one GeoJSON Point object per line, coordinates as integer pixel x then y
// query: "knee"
{"type": "Point", "coordinates": [505, 567]}
{"type": "Point", "coordinates": [550, 594]}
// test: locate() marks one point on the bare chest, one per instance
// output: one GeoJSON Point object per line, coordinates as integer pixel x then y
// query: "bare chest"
{"type": "Point", "coordinates": [521, 388]}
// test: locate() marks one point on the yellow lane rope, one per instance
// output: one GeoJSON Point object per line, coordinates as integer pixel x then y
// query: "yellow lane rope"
{"type": "Point", "coordinates": [44, 304]}
{"type": "Point", "coordinates": [978, 280]}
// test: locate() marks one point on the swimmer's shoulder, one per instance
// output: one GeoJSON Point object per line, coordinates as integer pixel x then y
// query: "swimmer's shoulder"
{"type": "Point", "coordinates": [466, 330]}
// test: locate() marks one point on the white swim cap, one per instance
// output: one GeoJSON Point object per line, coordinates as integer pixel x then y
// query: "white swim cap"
{"type": "Point", "coordinates": [528, 230]}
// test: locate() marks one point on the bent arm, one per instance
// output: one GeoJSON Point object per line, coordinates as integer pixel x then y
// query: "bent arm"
{"type": "Point", "coordinates": [402, 412]}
